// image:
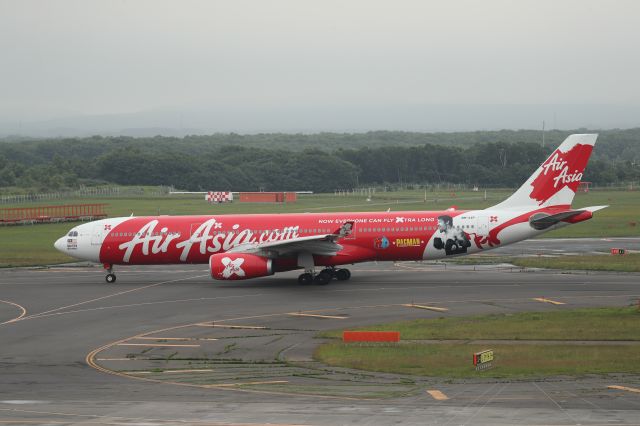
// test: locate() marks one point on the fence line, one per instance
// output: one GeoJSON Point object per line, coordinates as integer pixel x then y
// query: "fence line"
{"type": "Point", "coordinates": [107, 191]}
{"type": "Point", "coordinates": [49, 214]}
{"type": "Point", "coordinates": [117, 191]}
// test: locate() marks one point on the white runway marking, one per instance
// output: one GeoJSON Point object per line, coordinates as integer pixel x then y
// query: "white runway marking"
{"type": "Point", "coordinates": [133, 305]}
{"type": "Point", "coordinates": [108, 296]}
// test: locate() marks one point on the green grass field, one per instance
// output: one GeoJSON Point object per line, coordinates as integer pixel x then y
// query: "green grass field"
{"type": "Point", "coordinates": [580, 324]}
{"type": "Point", "coordinates": [511, 361]}
{"type": "Point", "coordinates": [513, 358]}
{"type": "Point", "coordinates": [33, 245]}
{"type": "Point", "coordinates": [627, 263]}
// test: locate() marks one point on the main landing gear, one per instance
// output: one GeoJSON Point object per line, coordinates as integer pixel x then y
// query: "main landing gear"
{"type": "Point", "coordinates": [324, 277]}
{"type": "Point", "coordinates": [111, 277]}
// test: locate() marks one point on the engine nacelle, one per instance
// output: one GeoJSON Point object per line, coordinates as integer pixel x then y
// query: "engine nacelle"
{"type": "Point", "coordinates": [239, 266]}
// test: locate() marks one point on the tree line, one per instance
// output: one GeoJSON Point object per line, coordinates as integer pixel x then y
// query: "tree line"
{"type": "Point", "coordinates": [321, 162]}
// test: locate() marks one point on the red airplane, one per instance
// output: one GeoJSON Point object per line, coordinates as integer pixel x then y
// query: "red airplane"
{"type": "Point", "coordinates": [238, 247]}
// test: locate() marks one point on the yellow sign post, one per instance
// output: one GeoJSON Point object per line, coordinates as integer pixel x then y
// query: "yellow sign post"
{"type": "Point", "coordinates": [483, 359]}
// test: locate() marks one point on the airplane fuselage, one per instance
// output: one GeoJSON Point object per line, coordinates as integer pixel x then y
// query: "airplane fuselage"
{"type": "Point", "coordinates": [387, 236]}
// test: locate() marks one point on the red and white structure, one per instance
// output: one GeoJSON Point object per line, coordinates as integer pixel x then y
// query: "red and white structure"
{"type": "Point", "coordinates": [219, 196]}
{"type": "Point", "coordinates": [246, 246]}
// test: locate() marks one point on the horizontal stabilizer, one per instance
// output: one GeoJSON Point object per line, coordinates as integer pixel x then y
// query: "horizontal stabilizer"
{"type": "Point", "coordinates": [594, 208]}
{"type": "Point", "coordinates": [542, 221]}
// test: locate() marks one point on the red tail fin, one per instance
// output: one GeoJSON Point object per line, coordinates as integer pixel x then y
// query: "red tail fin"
{"type": "Point", "coordinates": [555, 182]}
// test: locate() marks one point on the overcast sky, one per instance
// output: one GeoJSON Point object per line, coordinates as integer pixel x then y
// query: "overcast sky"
{"type": "Point", "coordinates": [292, 65]}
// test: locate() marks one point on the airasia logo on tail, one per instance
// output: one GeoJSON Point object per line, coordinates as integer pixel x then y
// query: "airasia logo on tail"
{"type": "Point", "coordinates": [562, 169]}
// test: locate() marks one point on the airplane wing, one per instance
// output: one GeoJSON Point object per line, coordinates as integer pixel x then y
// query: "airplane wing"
{"type": "Point", "coordinates": [321, 244]}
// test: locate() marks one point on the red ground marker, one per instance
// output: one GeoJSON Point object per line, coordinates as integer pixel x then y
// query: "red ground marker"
{"type": "Point", "coordinates": [370, 336]}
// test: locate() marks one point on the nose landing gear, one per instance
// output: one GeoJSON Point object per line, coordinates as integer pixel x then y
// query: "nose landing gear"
{"type": "Point", "coordinates": [111, 277]}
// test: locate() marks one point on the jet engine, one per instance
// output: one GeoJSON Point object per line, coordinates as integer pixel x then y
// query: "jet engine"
{"type": "Point", "coordinates": [239, 266]}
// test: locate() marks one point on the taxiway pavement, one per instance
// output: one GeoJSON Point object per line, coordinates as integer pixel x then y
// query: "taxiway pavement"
{"type": "Point", "coordinates": [65, 332]}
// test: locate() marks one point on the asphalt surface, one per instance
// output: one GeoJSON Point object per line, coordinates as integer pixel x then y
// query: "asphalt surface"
{"type": "Point", "coordinates": [74, 350]}
{"type": "Point", "coordinates": [560, 246]}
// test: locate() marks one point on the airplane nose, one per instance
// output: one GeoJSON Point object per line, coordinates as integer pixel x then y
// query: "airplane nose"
{"type": "Point", "coordinates": [61, 244]}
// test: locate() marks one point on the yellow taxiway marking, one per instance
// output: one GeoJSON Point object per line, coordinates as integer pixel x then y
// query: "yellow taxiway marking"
{"type": "Point", "coordinates": [225, 385]}
{"type": "Point", "coordinates": [181, 339]}
{"type": "Point", "coordinates": [170, 371]}
{"type": "Point", "coordinates": [120, 293]}
{"type": "Point", "coordinates": [437, 395]}
{"type": "Point", "coordinates": [624, 388]}
{"type": "Point", "coordinates": [247, 327]}
{"type": "Point", "coordinates": [300, 314]}
{"type": "Point", "coordinates": [159, 345]}
{"type": "Point", "coordinates": [429, 308]}
{"type": "Point", "coordinates": [544, 300]}
{"type": "Point", "coordinates": [22, 313]}
{"type": "Point", "coordinates": [116, 359]}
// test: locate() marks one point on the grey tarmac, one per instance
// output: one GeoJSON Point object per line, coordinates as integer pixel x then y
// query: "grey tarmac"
{"type": "Point", "coordinates": [57, 323]}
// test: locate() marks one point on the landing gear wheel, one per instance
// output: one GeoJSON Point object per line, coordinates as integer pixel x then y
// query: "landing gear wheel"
{"type": "Point", "coordinates": [110, 278]}
{"type": "Point", "coordinates": [329, 271]}
{"type": "Point", "coordinates": [324, 277]}
{"type": "Point", "coordinates": [343, 274]}
{"type": "Point", "coordinates": [305, 279]}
